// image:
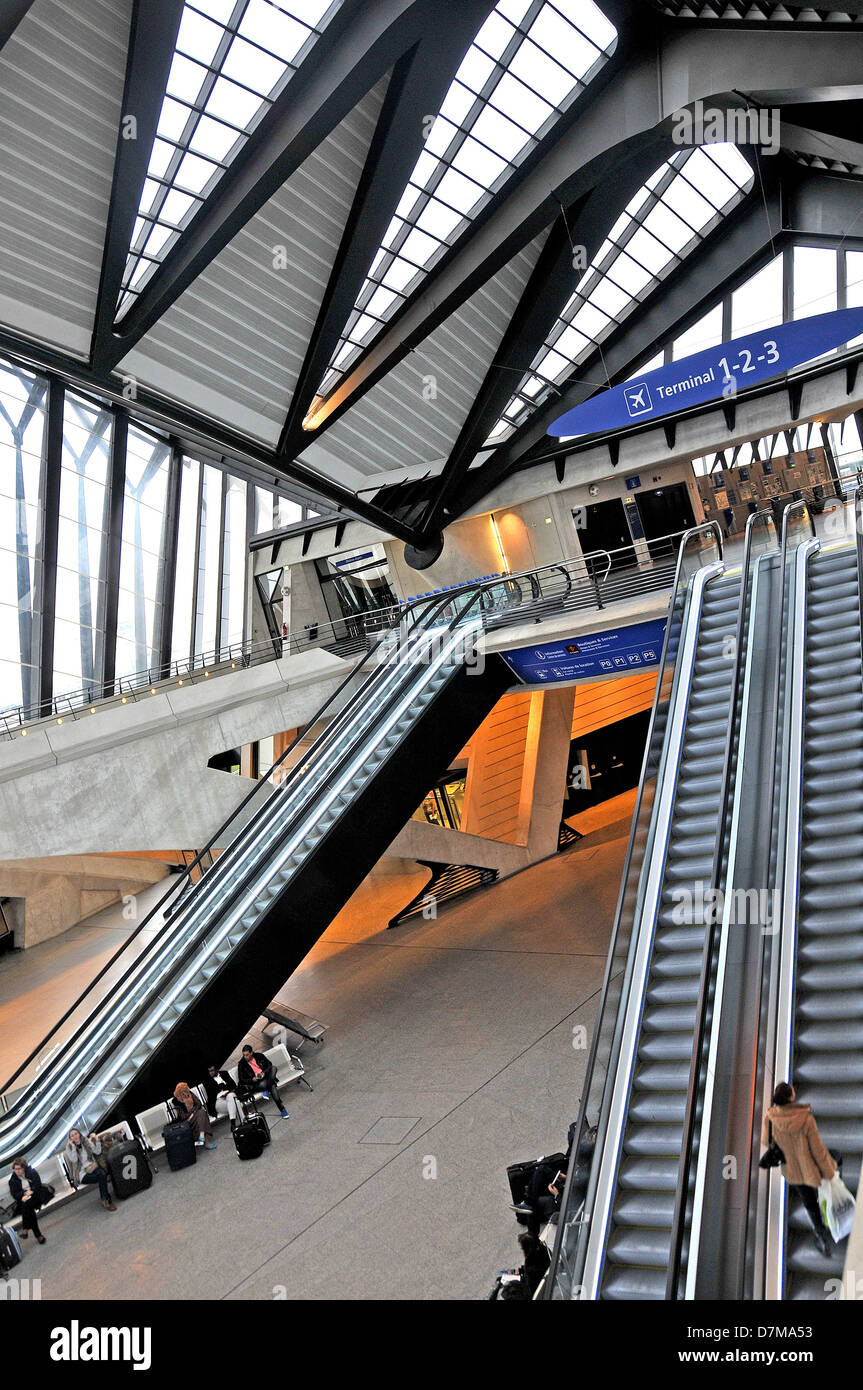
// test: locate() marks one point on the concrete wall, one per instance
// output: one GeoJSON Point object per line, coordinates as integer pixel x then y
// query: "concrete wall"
{"type": "Point", "coordinates": [135, 777]}
{"type": "Point", "coordinates": [54, 894]}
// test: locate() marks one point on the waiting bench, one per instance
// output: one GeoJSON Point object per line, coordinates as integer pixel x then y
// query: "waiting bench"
{"type": "Point", "coordinates": [151, 1122]}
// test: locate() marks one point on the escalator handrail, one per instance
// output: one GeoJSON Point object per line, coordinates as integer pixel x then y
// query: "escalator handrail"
{"type": "Point", "coordinates": [180, 962]}
{"type": "Point", "coordinates": [581, 1128]}
{"type": "Point", "coordinates": [789, 844]}
{"type": "Point", "coordinates": [678, 1227]}
{"type": "Point", "coordinates": [425, 620]}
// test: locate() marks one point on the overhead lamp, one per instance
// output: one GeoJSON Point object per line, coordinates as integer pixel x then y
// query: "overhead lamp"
{"type": "Point", "coordinates": [152, 690]}
{"type": "Point", "coordinates": [179, 682]}
{"type": "Point", "coordinates": [124, 701]}
{"type": "Point", "coordinates": [24, 733]}
{"type": "Point", "coordinates": [59, 721]}
{"type": "Point", "coordinates": [92, 709]}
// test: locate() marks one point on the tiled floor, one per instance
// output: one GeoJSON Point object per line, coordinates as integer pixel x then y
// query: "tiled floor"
{"type": "Point", "coordinates": [451, 1052]}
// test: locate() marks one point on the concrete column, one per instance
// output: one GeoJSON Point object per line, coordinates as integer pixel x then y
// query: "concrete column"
{"type": "Point", "coordinates": [545, 767]}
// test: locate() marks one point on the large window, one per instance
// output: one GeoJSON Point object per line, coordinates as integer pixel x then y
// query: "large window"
{"type": "Point", "coordinates": [527, 64]}
{"type": "Point", "coordinates": [79, 629]}
{"type": "Point", "coordinates": [22, 431]}
{"type": "Point", "coordinates": [139, 614]}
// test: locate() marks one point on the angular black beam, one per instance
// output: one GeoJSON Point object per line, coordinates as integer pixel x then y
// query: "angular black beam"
{"type": "Point", "coordinates": [11, 14]}
{"type": "Point", "coordinates": [169, 549]}
{"type": "Point", "coordinates": [152, 39]}
{"type": "Point", "coordinates": [733, 252]}
{"type": "Point", "coordinates": [571, 245]}
{"type": "Point", "coordinates": [114, 499]}
{"type": "Point", "coordinates": [359, 45]}
{"type": "Point", "coordinates": [629, 106]}
{"type": "Point", "coordinates": [416, 91]}
{"type": "Point", "coordinates": [48, 538]}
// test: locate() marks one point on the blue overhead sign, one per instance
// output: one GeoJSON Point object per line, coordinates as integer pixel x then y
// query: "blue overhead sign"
{"type": "Point", "coordinates": [712, 373]}
{"type": "Point", "coordinates": [610, 653]}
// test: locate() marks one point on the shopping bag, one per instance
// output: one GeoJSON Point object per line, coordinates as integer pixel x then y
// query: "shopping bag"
{"type": "Point", "coordinates": [837, 1207]}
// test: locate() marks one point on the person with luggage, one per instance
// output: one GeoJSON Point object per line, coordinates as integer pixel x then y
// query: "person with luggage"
{"type": "Point", "coordinates": [791, 1126]}
{"type": "Point", "coordinates": [222, 1098]}
{"type": "Point", "coordinates": [256, 1074]}
{"type": "Point", "coordinates": [29, 1194]}
{"type": "Point", "coordinates": [81, 1157]}
{"type": "Point", "coordinates": [192, 1110]}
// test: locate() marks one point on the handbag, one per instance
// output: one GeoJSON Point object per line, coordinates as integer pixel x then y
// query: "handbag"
{"type": "Point", "coordinates": [837, 1207]}
{"type": "Point", "coordinates": [773, 1155]}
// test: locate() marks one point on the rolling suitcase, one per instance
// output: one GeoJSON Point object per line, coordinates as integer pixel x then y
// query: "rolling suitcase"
{"type": "Point", "coordinates": [253, 1116]}
{"type": "Point", "coordinates": [10, 1249]}
{"type": "Point", "coordinates": [249, 1138]}
{"type": "Point", "coordinates": [179, 1145]}
{"type": "Point", "coordinates": [128, 1168]}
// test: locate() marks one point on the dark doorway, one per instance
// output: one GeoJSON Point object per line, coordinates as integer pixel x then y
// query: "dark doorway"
{"type": "Point", "coordinates": [664, 510]}
{"type": "Point", "coordinates": [603, 526]}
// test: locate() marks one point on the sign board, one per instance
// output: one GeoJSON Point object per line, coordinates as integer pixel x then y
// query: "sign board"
{"type": "Point", "coordinates": [609, 653]}
{"type": "Point", "coordinates": [712, 373]}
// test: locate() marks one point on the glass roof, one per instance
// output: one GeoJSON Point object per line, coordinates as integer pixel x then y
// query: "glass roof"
{"type": "Point", "coordinates": [665, 221]}
{"type": "Point", "coordinates": [527, 64]}
{"type": "Point", "coordinates": [232, 59]}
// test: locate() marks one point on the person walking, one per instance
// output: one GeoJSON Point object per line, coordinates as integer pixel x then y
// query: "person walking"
{"type": "Point", "coordinates": [28, 1193]}
{"type": "Point", "coordinates": [792, 1127]}
{"type": "Point", "coordinates": [82, 1164]}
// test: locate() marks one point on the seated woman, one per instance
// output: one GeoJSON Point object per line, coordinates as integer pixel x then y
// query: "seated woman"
{"type": "Point", "coordinates": [82, 1164]}
{"type": "Point", "coordinates": [28, 1193]}
{"type": "Point", "coordinates": [222, 1098]}
{"type": "Point", "coordinates": [192, 1110]}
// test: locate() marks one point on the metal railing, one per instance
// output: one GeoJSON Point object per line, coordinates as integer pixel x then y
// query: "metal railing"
{"type": "Point", "coordinates": [561, 587]}
{"type": "Point", "coordinates": [704, 1002]}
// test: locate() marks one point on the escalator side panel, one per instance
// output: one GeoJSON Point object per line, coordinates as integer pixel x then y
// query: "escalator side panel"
{"type": "Point", "coordinates": [235, 997]}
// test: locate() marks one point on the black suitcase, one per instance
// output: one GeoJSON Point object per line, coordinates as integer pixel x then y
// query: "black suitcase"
{"type": "Point", "coordinates": [10, 1250]}
{"type": "Point", "coordinates": [253, 1116]}
{"type": "Point", "coordinates": [249, 1139]}
{"type": "Point", "coordinates": [128, 1168]}
{"type": "Point", "coordinates": [179, 1145]}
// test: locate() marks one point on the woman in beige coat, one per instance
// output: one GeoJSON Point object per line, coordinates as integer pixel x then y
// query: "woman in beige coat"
{"type": "Point", "coordinates": [807, 1160]}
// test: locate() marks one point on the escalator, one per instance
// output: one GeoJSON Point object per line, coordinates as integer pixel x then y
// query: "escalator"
{"type": "Point", "coordinates": [636, 1263]}
{"type": "Point", "coordinates": [828, 997]}
{"type": "Point", "coordinates": [180, 993]}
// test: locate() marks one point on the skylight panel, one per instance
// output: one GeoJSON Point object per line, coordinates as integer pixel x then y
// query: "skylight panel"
{"type": "Point", "coordinates": [663, 223]}
{"type": "Point", "coordinates": [527, 64]}
{"type": "Point", "coordinates": [232, 59]}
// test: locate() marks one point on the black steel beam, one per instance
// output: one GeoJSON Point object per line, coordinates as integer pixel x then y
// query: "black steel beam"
{"type": "Point", "coordinates": [114, 500]}
{"type": "Point", "coordinates": [360, 44]}
{"type": "Point", "coordinates": [152, 39]}
{"type": "Point", "coordinates": [571, 245]}
{"type": "Point", "coordinates": [48, 539]}
{"type": "Point", "coordinates": [11, 14]}
{"type": "Point", "coordinates": [627, 108]}
{"type": "Point", "coordinates": [168, 570]}
{"type": "Point", "coordinates": [737, 248]}
{"type": "Point", "coordinates": [416, 91]}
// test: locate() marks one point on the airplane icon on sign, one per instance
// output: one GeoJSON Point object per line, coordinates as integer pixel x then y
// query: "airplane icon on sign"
{"type": "Point", "coordinates": [637, 398]}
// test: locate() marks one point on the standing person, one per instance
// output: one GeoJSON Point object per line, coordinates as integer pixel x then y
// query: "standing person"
{"type": "Point", "coordinates": [82, 1164]}
{"type": "Point", "coordinates": [284, 638]}
{"type": "Point", "coordinates": [222, 1098]}
{"type": "Point", "coordinates": [255, 1073]}
{"type": "Point", "coordinates": [28, 1193]}
{"type": "Point", "coordinates": [536, 1261]}
{"type": "Point", "coordinates": [193, 1111]}
{"type": "Point", "coordinates": [807, 1161]}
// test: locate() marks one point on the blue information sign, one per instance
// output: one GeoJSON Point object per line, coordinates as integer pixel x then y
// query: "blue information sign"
{"type": "Point", "coordinates": [712, 373]}
{"type": "Point", "coordinates": [607, 653]}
